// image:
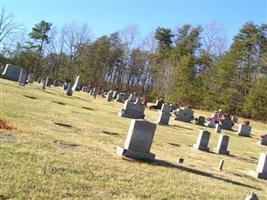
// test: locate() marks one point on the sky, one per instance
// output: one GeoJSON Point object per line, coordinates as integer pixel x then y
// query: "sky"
{"type": "Point", "coordinates": [107, 16]}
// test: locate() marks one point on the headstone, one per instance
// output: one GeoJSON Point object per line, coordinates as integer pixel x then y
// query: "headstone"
{"type": "Point", "coordinates": [132, 97]}
{"type": "Point", "coordinates": [252, 196]}
{"type": "Point", "coordinates": [48, 82]}
{"type": "Point", "coordinates": [222, 145]}
{"type": "Point", "coordinates": [200, 121]}
{"type": "Point", "coordinates": [180, 160]}
{"type": "Point", "coordinates": [184, 114]}
{"type": "Point", "coordinates": [139, 141]}
{"type": "Point", "coordinates": [114, 95]}
{"type": "Point", "coordinates": [120, 97]}
{"type": "Point", "coordinates": [30, 78]}
{"type": "Point", "coordinates": [43, 84]}
{"type": "Point", "coordinates": [218, 128]}
{"type": "Point", "coordinates": [131, 110]}
{"type": "Point", "coordinates": [261, 170]}
{"type": "Point", "coordinates": [69, 90]}
{"type": "Point", "coordinates": [164, 115]}
{"type": "Point", "coordinates": [202, 141]}
{"type": "Point", "coordinates": [263, 140]}
{"type": "Point", "coordinates": [76, 83]}
{"type": "Point", "coordinates": [22, 77]}
{"type": "Point", "coordinates": [109, 96]}
{"type": "Point", "coordinates": [159, 103]}
{"type": "Point", "coordinates": [11, 72]}
{"type": "Point", "coordinates": [65, 86]}
{"type": "Point", "coordinates": [244, 130]}
{"type": "Point", "coordinates": [138, 101]}
{"type": "Point", "coordinates": [227, 124]}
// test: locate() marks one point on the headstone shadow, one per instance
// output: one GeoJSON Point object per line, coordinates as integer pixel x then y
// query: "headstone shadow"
{"type": "Point", "coordinates": [173, 144]}
{"type": "Point", "coordinates": [63, 125]}
{"type": "Point", "coordinates": [110, 133]}
{"type": "Point", "coordinates": [177, 126]}
{"type": "Point", "coordinates": [58, 102]}
{"type": "Point", "coordinates": [87, 108]}
{"type": "Point", "coordinates": [30, 97]}
{"type": "Point", "coordinates": [166, 164]}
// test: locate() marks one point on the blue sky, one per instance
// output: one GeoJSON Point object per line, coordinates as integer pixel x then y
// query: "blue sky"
{"type": "Point", "coordinates": [107, 16]}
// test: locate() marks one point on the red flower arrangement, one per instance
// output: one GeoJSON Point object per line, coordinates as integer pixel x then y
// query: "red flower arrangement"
{"type": "Point", "coordinates": [247, 122]}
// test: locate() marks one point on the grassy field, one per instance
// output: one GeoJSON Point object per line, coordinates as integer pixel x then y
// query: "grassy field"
{"type": "Point", "coordinates": [64, 148]}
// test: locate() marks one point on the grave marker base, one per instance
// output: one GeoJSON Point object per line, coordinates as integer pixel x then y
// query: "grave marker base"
{"type": "Point", "coordinates": [135, 154]}
{"type": "Point", "coordinates": [259, 175]}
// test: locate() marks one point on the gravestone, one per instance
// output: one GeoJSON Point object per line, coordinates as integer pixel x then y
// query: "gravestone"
{"type": "Point", "coordinates": [139, 141]}
{"type": "Point", "coordinates": [261, 170]}
{"type": "Point", "coordinates": [132, 97]}
{"type": "Point", "coordinates": [244, 130]}
{"type": "Point", "coordinates": [252, 196]}
{"type": "Point", "coordinates": [131, 110]}
{"type": "Point", "coordinates": [159, 103]}
{"type": "Point", "coordinates": [48, 81]}
{"type": "Point", "coordinates": [227, 124]}
{"type": "Point", "coordinates": [11, 72]}
{"type": "Point", "coordinates": [222, 145]}
{"type": "Point", "coordinates": [164, 115]}
{"type": "Point", "coordinates": [69, 90]}
{"type": "Point", "coordinates": [264, 140]}
{"type": "Point", "coordinates": [114, 95]}
{"type": "Point", "coordinates": [184, 114]}
{"type": "Point", "coordinates": [109, 96]}
{"type": "Point", "coordinates": [138, 101]}
{"type": "Point", "coordinates": [22, 77]}
{"type": "Point", "coordinates": [43, 82]}
{"type": "Point", "coordinates": [120, 97]}
{"type": "Point", "coordinates": [200, 121]}
{"type": "Point", "coordinates": [218, 128]}
{"type": "Point", "coordinates": [76, 83]}
{"type": "Point", "coordinates": [30, 78]}
{"type": "Point", "coordinates": [202, 141]}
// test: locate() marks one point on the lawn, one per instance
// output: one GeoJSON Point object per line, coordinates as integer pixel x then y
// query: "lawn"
{"type": "Point", "coordinates": [63, 147]}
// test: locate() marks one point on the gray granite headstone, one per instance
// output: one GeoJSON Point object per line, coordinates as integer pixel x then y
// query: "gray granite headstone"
{"type": "Point", "coordinates": [252, 196]}
{"type": "Point", "coordinates": [222, 145]}
{"type": "Point", "coordinates": [11, 72]}
{"type": "Point", "coordinates": [120, 97]}
{"type": "Point", "coordinates": [202, 141]}
{"type": "Point", "coordinates": [261, 170]}
{"type": "Point", "coordinates": [201, 121]}
{"type": "Point", "coordinates": [30, 78]}
{"type": "Point", "coordinates": [184, 114]}
{"type": "Point", "coordinates": [114, 95]}
{"type": "Point", "coordinates": [244, 130]}
{"type": "Point", "coordinates": [22, 77]}
{"type": "Point", "coordinates": [264, 140]}
{"type": "Point", "coordinates": [131, 110]}
{"type": "Point", "coordinates": [69, 90]}
{"type": "Point", "coordinates": [227, 124]}
{"type": "Point", "coordinates": [43, 82]}
{"type": "Point", "coordinates": [164, 115]}
{"type": "Point", "coordinates": [139, 141]}
{"type": "Point", "coordinates": [109, 96]}
{"type": "Point", "coordinates": [132, 97]}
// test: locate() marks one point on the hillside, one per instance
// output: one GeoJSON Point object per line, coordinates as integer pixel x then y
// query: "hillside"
{"type": "Point", "coordinates": [63, 147]}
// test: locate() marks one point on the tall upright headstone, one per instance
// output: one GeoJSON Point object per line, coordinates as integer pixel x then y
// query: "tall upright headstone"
{"type": "Point", "coordinates": [164, 115]}
{"type": "Point", "coordinates": [200, 121]}
{"type": "Point", "coordinates": [139, 141]}
{"type": "Point", "coordinates": [263, 140]}
{"type": "Point", "coordinates": [261, 170]}
{"type": "Point", "coordinates": [132, 97]}
{"type": "Point", "coordinates": [202, 141]}
{"type": "Point", "coordinates": [131, 110]}
{"type": "Point", "coordinates": [114, 95]}
{"type": "Point", "coordinates": [69, 90]}
{"type": "Point", "coordinates": [227, 124]}
{"type": "Point", "coordinates": [244, 130]}
{"type": "Point", "coordinates": [43, 82]}
{"type": "Point", "coordinates": [120, 97]}
{"type": "Point", "coordinates": [222, 145]}
{"type": "Point", "coordinates": [109, 96]}
{"type": "Point", "coordinates": [22, 77]}
{"type": "Point", "coordinates": [76, 83]}
{"type": "Point", "coordinates": [30, 78]}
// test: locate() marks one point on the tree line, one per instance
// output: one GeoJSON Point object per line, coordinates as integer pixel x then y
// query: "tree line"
{"type": "Point", "coordinates": [187, 65]}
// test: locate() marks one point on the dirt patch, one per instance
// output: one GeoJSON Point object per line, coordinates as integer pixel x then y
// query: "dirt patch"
{"type": "Point", "coordinates": [4, 125]}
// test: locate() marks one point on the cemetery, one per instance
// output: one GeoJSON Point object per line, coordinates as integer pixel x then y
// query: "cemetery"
{"type": "Point", "coordinates": [67, 144]}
